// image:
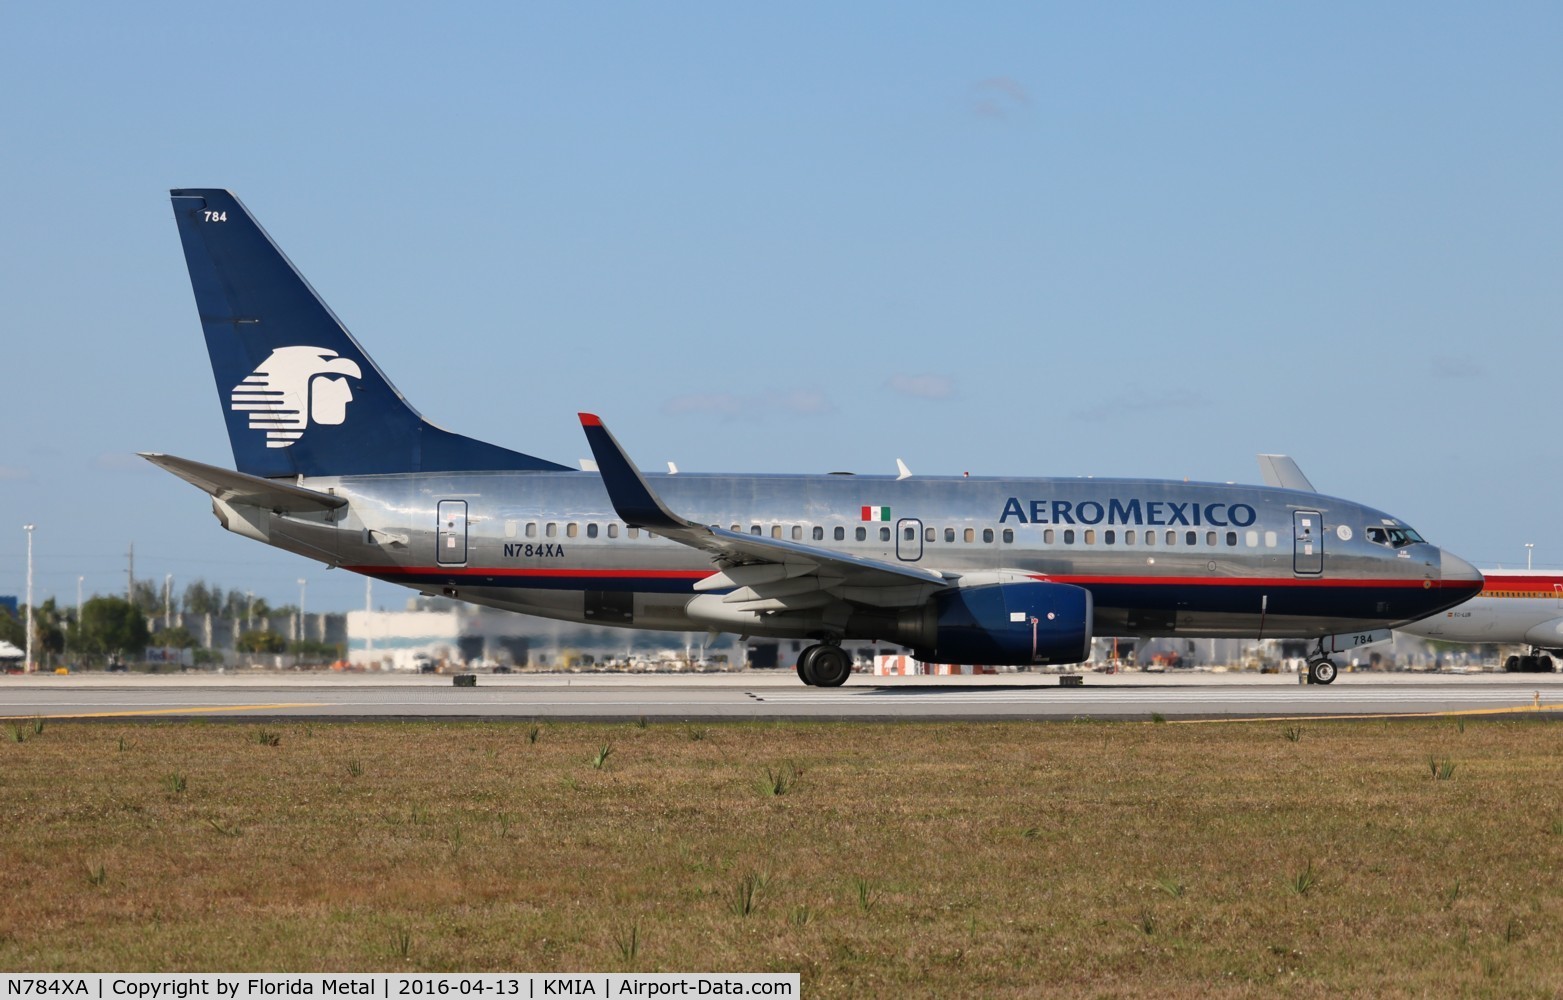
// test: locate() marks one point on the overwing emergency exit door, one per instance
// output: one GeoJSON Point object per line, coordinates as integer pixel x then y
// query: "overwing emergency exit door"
{"type": "Point", "coordinates": [451, 538]}
{"type": "Point", "coordinates": [909, 539]}
{"type": "Point", "coordinates": [1307, 543]}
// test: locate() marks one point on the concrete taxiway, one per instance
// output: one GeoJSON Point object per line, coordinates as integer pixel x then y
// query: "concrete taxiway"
{"type": "Point", "coordinates": [764, 695]}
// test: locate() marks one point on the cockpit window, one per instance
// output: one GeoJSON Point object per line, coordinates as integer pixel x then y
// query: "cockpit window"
{"type": "Point", "coordinates": [1394, 536]}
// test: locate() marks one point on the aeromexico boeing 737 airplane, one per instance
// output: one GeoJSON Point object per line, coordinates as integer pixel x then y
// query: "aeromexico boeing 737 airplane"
{"type": "Point", "coordinates": [335, 465]}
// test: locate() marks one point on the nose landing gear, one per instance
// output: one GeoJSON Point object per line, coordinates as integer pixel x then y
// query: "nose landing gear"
{"type": "Point", "coordinates": [1321, 669]}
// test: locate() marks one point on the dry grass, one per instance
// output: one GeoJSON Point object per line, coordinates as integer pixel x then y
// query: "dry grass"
{"type": "Point", "coordinates": [906, 859]}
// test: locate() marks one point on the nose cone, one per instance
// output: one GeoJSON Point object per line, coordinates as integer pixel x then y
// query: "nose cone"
{"type": "Point", "coordinates": [1458, 575]}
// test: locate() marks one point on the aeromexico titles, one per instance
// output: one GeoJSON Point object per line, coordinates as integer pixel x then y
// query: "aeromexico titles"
{"type": "Point", "coordinates": [335, 465]}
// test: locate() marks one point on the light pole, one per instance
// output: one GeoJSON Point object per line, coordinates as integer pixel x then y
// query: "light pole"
{"type": "Point", "coordinates": [1528, 547]}
{"type": "Point", "coordinates": [303, 586]}
{"type": "Point", "coordinates": [29, 653]}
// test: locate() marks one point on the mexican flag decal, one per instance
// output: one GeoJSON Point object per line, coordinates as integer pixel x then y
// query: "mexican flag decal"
{"type": "Point", "coordinates": [876, 513]}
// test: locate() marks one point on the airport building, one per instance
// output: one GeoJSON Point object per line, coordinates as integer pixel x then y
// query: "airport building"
{"type": "Point", "coordinates": [435, 632]}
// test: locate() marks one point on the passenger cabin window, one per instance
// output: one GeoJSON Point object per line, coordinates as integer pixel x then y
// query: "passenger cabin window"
{"type": "Point", "coordinates": [931, 534]}
{"type": "Point", "coordinates": [861, 534]}
{"type": "Point", "coordinates": [1150, 537]}
{"type": "Point", "coordinates": [551, 530]}
{"type": "Point", "coordinates": [531, 529]}
{"type": "Point", "coordinates": [1090, 536]}
{"type": "Point", "coordinates": [776, 531]}
{"type": "Point", "coordinates": [884, 534]}
{"type": "Point", "coordinates": [754, 529]}
{"type": "Point", "coordinates": [613, 531]}
{"type": "Point", "coordinates": [1269, 539]}
{"type": "Point", "coordinates": [1231, 538]}
{"type": "Point", "coordinates": [1172, 537]}
{"type": "Point", "coordinates": [571, 529]}
{"type": "Point", "coordinates": [1069, 536]}
{"type": "Point", "coordinates": [1191, 538]}
{"type": "Point", "coordinates": [1047, 536]}
{"type": "Point", "coordinates": [797, 532]}
{"type": "Point", "coordinates": [735, 529]}
{"type": "Point", "coordinates": [841, 534]}
{"type": "Point", "coordinates": [987, 535]}
{"type": "Point", "coordinates": [1109, 536]}
{"type": "Point", "coordinates": [1009, 535]}
{"type": "Point", "coordinates": [1210, 538]}
{"type": "Point", "coordinates": [1128, 536]}
{"type": "Point", "coordinates": [632, 533]}
{"type": "Point", "coordinates": [970, 535]}
{"type": "Point", "coordinates": [510, 529]}
{"type": "Point", "coordinates": [1251, 539]}
{"type": "Point", "coordinates": [819, 533]}
{"type": "Point", "coordinates": [591, 530]}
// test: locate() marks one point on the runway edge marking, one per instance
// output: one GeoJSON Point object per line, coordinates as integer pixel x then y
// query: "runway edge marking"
{"type": "Point", "coordinates": [1509, 710]}
{"type": "Point", "coordinates": [168, 711]}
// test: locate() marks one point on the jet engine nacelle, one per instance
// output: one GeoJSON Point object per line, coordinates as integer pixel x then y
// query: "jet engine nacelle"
{"type": "Point", "coordinates": [1017, 624]}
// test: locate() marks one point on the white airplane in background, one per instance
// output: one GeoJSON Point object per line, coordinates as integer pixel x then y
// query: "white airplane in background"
{"type": "Point", "coordinates": [1516, 606]}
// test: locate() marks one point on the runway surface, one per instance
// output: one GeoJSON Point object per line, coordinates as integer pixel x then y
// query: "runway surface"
{"type": "Point", "coordinates": [767, 695]}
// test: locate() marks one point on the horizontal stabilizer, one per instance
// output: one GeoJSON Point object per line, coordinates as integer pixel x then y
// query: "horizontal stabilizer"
{"type": "Point", "coordinates": [236, 487]}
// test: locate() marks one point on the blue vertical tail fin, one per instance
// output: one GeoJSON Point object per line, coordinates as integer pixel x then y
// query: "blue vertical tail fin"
{"type": "Point", "coordinates": [299, 394]}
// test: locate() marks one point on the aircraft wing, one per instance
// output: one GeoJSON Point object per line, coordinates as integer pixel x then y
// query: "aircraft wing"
{"type": "Point", "coordinates": [237, 487]}
{"type": "Point", "coordinates": [764, 573]}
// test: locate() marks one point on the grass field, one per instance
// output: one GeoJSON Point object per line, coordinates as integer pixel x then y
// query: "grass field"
{"type": "Point", "coordinates": [1011, 859]}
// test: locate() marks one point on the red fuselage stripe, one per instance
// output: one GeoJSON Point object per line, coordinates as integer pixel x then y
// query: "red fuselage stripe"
{"type": "Point", "coordinates": [692, 575]}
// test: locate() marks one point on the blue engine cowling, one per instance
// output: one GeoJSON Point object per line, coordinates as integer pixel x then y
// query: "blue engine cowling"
{"type": "Point", "coordinates": [1015, 624]}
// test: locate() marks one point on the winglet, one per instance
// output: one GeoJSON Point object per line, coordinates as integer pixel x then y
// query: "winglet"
{"type": "Point", "coordinates": [628, 490]}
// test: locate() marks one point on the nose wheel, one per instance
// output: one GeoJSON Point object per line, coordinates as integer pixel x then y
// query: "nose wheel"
{"type": "Point", "coordinates": [824, 664]}
{"type": "Point", "coordinates": [1321, 670]}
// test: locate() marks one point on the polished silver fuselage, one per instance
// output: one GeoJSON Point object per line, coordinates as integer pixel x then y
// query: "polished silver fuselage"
{"type": "Point", "coordinates": [1223, 560]}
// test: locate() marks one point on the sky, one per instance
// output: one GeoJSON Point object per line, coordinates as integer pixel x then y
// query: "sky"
{"type": "Point", "coordinates": [1130, 239]}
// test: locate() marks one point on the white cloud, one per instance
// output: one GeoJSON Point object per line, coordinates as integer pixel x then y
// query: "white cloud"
{"type": "Point", "coordinates": [922, 386]}
{"type": "Point", "coordinates": [997, 96]}
{"type": "Point", "coordinates": [121, 461]}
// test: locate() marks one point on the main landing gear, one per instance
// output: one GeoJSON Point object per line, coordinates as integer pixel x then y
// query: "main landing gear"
{"type": "Point", "coordinates": [1321, 669]}
{"type": "Point", "coordinates": [1536, 663]}
{"type": "Point", "coordinates": [824, 664]}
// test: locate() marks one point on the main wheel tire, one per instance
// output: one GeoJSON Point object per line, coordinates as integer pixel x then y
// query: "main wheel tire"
{"type": "Point", "coordinates": [1544, 664]}
{"type": "Point", "coordinates": [806, 664]}
{"type": "Point", "coordinates": [1511, 665]}
{"type": "Point", "coordinates": [831, 666]}
{"type": "Point", "coordinates": [1321, 672]}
